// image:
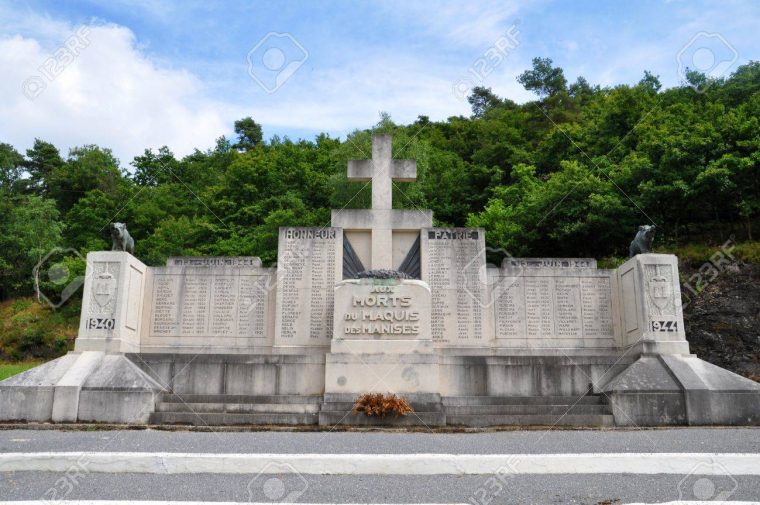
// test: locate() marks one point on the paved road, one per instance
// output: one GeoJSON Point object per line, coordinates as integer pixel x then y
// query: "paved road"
{"type": "Point", "coordinates": [555, 489]}
{"type": "Point", "coordinates": [739, 440]}
{"type": "Point", "coordinates": [570, 488]}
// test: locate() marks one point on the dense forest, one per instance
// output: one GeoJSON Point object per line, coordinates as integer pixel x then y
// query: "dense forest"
{"type": "Point", "coordinates": [573, 173]}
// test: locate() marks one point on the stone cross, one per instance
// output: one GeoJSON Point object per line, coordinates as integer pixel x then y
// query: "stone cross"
{"type": "Point", "coordinates": [382, 170]}
{"type": "Point", "coordinates": [382, 219]}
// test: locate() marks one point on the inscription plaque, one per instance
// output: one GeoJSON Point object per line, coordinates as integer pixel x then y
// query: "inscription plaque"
{"type": "Point", "coordinates": [543, 307]}
{"type": "Point", "coordinates": [454, 266]}
{"type": "Point", "coordinates": [214, 302]}
{"type": "Point", "coordinates": [382, 309]}
{"type": "Point", "coordinates": [309, 265]}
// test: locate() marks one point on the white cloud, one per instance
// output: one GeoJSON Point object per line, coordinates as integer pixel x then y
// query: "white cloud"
{"type": "Point", "coordinates": [110, 94]}
{"type": "Point", "coordinates": [116, 95]}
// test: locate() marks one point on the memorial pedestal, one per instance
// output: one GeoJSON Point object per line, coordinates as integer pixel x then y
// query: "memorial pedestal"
{"type": "Point", "coordinates": [112, 303]}
{"type": "Point", "coordinates": [382, 344]}
{"type": "Point", "coordinates": [381, 339]}
{"type": "Point", "coordinates": [652, 316]}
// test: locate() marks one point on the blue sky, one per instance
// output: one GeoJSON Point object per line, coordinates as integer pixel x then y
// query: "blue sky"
{"type": "Point", "coordinates": [152, 73]}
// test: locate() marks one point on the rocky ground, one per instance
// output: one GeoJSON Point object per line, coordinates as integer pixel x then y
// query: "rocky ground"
{"type": "Point", "coordinates": [723, 320]}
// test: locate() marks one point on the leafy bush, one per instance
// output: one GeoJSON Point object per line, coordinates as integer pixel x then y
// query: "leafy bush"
{"type": "Point", "coordinates": [378, 404]}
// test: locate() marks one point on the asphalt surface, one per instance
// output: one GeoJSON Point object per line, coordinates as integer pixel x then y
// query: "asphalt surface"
{"type": "Point", "coordinates": [555, 489]}
{"type": "Point", "coordinates": [720, 440]}
{"type": "Point", "coordinates": [595, 489]}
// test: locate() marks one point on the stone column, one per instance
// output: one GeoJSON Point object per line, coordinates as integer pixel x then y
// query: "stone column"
{"type": "Point", "coordinates": [650, 305]}
{"type": "Point", "coordinates": [112, 303]}
{"type": "Point", "coordinates": [382, 202]}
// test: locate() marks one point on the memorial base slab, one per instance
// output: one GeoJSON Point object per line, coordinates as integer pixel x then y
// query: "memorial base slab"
{"type": "Point", "coordinates": [86, 386]}
{"type": "Point", "coordinates": [661, 390]}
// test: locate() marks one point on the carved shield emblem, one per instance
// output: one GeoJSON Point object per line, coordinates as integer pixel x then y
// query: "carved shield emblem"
{"type": "Point", "coordinates": [104, 288]}
{"type": "Point", "coordinates": [660, 291]}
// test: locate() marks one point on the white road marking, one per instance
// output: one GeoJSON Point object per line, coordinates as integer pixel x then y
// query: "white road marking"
{"type": "Point", "coordinates": [384, 464]}
{"type": "Point", "coordinates": [114, 502]}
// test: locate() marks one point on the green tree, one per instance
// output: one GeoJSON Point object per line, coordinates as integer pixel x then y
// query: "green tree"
{"type": "Point", "coordinates": [87, 168]}
{"type": "Point", "coordinates": [650, 82]}
{"type": "Point", "coordinates": [543, 79]}
{"type": "Point", "coordinates": [152, 169]}
{"type": "Point", "coordinates": [29, 230]}
{"type": "Point", "coordinates": [482, 99]}
{"type": "Point", "coordinates": [11, 170]}
{"type": "Point", "coordinates": [43, 160]}
{"type": "Point", "coordinates": [248, 132]}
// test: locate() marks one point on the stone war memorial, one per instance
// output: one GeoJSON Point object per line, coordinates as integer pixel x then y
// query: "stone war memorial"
{"type": "Point", "coordinates": [381, 301]}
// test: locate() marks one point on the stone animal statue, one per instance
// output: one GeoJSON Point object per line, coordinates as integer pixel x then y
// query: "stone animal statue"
{"type": "Point", "coordinates": [121, 239]}
{"type": "Point", "coordinates": [642, 244]}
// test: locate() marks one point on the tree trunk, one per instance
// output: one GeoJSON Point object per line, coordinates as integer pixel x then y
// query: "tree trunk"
{"type": "Point", "coordinates": [37, 285]}
{"type": "Point", "coordinates": [37, 282]}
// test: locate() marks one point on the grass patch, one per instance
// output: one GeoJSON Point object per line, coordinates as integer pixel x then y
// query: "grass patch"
{"type": "Point", "coordinates": [748, 252]}
{"type": "Point", "coordinates": [31, 331]}
{"type": "Point", "coordinates": [695, 255]}
{"type": "Point", "coordinates": [11, 369]}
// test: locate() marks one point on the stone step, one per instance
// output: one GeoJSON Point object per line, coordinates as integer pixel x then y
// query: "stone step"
{"type": "Point", "coordinates": [226, 418]}
{"type": "Point", "coordinates": [529, 409]}
{"type": "Point", "coordinates": [417, 406]}
{"type": "Point", "coordinates": [346, 418]}
{"type": "Point", "coordinates": [457, 401]}
{"type": "Point", "coordinates": [480, 420]}
{"type": "Point", "coordinates": [248, 399]}
{"type": "Point", "coordinates": [241, 408]}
